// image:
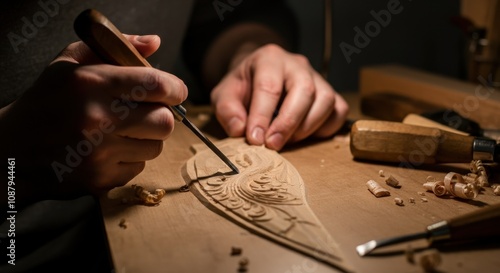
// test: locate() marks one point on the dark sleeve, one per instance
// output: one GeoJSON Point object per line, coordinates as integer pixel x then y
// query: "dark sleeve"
{"type": "Point", "coordinates": [210, 18]}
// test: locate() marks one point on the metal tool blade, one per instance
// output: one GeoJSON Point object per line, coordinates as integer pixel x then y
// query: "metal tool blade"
{"type": "Point", "coordinates": [210, 145]}
{"type": "Point", "coordinates": [368, 247]}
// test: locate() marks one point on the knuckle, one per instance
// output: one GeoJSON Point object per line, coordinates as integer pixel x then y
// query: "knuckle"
{"type": "Point", "coordinates": [174, 89]}
{"type": "Point", "coordinates": [308, 88]}
{"type": "Point", "coordinates": [82, 76]}
{"type": "Point", "coordinates": [301, 59]}
{"type": "Point", "coordinates": [287, 122]}
{"type": "Point", "coordinates": [328, 97]}
{"type": "Point", "coordinates": [272, 49]}
{"type": "Point", "coordinates": [152, 79]}
{"type": "Point", "coordinates": [269, 87]}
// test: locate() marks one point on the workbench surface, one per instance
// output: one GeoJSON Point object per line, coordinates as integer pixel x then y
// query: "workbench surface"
{"type": "Point", "coordinates": [182, 235]}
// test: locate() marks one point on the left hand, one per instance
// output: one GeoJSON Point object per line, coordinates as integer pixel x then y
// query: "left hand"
{"type": "Point", "coordinates": [246, 99]}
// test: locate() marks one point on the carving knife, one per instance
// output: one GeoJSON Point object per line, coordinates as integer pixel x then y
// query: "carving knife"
{"type": "Point", "coordinates": [480, 224]}
{"type": "Point", "coordinates": [404, 143]}
{"type": "Point", "coordinates": [95, 30]}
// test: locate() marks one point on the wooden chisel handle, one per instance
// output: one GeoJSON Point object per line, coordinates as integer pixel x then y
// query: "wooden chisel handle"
{"type": "Point", "coordinates": [111, 46]}
{"type": "Point", "coordinates": [398, 142]}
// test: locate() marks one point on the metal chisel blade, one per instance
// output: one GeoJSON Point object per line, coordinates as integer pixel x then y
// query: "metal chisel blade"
{"type": "Point", "coordinates": [210, 145]}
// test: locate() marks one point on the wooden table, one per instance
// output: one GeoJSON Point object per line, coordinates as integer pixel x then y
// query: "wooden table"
{"type": "Point", "coordinates": [182, 235]}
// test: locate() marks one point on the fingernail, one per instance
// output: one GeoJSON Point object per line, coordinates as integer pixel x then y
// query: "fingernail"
{"type": "Point", "coordinates": [275, 141]}
{"type": "Point", "coordinates": [145, 39]}
{"type": "Point", "coordinates": [235, 126]}
{"type": "Point", "coordinates": [258, 135]}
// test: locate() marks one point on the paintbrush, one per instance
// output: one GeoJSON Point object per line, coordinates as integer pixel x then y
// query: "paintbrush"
{"type": "Point", "coordinates": [483, 223]}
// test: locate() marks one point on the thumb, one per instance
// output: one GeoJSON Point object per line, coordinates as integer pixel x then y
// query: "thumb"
{"type": "Point", "coordinates": [80, 53]}
{"type": "Point", "coordinates": [145, 44]}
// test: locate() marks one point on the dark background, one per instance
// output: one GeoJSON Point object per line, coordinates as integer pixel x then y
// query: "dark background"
{"type": "Point", "coordinates": [422, 36]}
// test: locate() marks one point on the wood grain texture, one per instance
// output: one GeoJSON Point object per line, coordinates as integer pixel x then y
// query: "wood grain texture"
{"type": "Point", "coordinates": [267, 197]}
{"type": "Point", "coordinates": [182, 235]}
{"type": "Point", "coordinates": [395, 142]}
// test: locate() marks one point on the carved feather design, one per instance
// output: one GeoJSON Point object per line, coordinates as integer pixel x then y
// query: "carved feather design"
{"type": "Point", "coordinates": [267, 197]}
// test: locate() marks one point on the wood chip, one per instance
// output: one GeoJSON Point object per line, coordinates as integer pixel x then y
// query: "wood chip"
{"type": "Point", "coordinates": [235, 251]}
{"type": "Point", "coordinates": [123, 224]}
{"type": "Point", "coordinates": [147, 198]}
{"type": "Point", "coordinates": [430, 260]}
{"type": "Point", "coordinates": [376, 189]}
{"type": "Point", "coordinates": [392, 181]}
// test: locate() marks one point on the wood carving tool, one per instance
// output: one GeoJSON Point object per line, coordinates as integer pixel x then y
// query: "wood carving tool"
{"type": "Point", "coordinates": [480, 224]}
{"type": "Point", "coordinates": [394, 107]}
{"type": "Point", "coordinates": [95, 30]}
{"type": "Point", "coordinates": [398, 142]}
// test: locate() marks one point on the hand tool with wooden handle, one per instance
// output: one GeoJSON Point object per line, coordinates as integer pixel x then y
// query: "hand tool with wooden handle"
{"type": "Point", "coordinates": [397, 142]}
{"type": "Point", "coordinates": [112, 47]}
{"type": "Point", "coordinates": [483, 223]}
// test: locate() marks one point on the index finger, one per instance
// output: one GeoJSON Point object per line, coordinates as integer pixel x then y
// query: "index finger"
{"type": "Point", "coordinates": [267, 85]}
{"type": "Point", "coordinates": [140, 84]}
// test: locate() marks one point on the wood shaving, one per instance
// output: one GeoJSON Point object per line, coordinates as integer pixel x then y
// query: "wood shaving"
{"type": "Point", "coordinates": [430, 260]}
{"type": "Point", "coordinates": [496, 191]}
{"type": "Point", "coordinates": [381, 173]}
{"type": "Point", "coordinates": [147, 198]}
{"type": "Point", "coordinates": [123, 224]}
{"type": "Point", "coordinates": [411, 200]}
{"type": "Point", "coordinates": [235, 251]}
{"type": "Point", "coordinates": [393, 182]}
{"type": "Point", "coordinates": [424, 200]}
{"type": "Point", "coordinates": [477, 167]}
{"type": "Point", "coordinates": [430, 179]}
{"type": "Point", "coordinates": [437, 188]}
{"type": "Point", "coordinates": [457, 187]}
{"type": "Point", "coordinates": [398, 201]}
{"type": "Point", "coordinates": [243, 263]}
{"type": "Point", "coordinates": [203, 117]}
{"type": "Point", "coordinates": [376, 189]}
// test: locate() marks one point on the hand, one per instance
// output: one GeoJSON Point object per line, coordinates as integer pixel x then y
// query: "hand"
{"type": "Point", "coordinates": [247, 97]}
{"type": "Point", "coordinates": [90, 126]}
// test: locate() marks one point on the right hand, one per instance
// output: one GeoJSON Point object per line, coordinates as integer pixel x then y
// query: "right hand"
{"type": "Point", "coordinates": [85, 125]}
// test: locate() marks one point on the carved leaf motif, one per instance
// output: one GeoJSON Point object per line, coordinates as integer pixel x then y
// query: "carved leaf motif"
{"type": "Point", "coordinates": [267, 196]}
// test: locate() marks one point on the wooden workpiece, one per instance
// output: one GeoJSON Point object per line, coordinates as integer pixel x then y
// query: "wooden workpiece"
{"type": "Point", "coordinates": [181, 234]}
{"type": "Point", "coordinates": [267, 197]}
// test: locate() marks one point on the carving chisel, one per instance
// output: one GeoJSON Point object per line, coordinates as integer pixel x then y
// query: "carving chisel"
{"type": "Point", "coordinates": [95, 30]}
{"type": "Point", "coordinates": [398, 143]}
{"type": "Point", "coordinates": [480, 224]}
